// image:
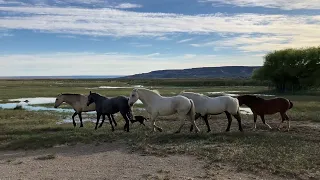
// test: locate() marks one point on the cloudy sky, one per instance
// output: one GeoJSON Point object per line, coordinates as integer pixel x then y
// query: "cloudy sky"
{"type": "Point", "coordinates": [122, 37]}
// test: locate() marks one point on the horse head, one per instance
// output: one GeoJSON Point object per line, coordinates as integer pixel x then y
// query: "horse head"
{"type": "Point", "coordinates": [59, 100]}
{"type": "Point", "coordinates": [134, 96]}
{"type": "Point", "coordinates": [90, 99]}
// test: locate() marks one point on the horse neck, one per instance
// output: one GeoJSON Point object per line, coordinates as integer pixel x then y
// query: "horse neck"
{"type": "Point", "coordinates": [147, 97]}
{"type": "Point", "coordinates": [69, 99]}
{"type": "Point", "coordinates": [250, 102]}
{"type": "Point", "coordinates": [97, 97]}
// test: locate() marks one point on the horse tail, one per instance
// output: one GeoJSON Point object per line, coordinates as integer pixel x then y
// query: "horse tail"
{"type": "Point", "coordinates": [192, 110]}
{"type": "Point", "coordinates": [291, 104]}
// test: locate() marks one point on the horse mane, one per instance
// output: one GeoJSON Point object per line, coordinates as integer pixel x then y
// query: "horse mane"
{"type": "Point", "coordinates": [154, 91]}
{"type": "Point", "coordinates": [253, 97]}
{"type": "Point", "coordinates": [194, 93]}
{"type": "Point", "coordinates": [69, 94]}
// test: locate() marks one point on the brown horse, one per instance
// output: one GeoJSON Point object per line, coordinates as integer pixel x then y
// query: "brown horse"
{"type": "Point", "coordinates": [261, 107]}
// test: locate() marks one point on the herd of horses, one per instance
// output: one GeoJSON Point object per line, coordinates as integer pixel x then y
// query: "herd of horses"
{"type": "Point", "coordinates": [187, 105]}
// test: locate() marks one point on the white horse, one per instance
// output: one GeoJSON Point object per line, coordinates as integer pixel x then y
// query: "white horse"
{"type": "Point", "coordinates": [157, 105]}
{"type": "Point", "coordinates": [206, 105]}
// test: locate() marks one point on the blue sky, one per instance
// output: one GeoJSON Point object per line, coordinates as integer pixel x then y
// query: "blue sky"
{"type": "Point", "coordinates": [122, 37]}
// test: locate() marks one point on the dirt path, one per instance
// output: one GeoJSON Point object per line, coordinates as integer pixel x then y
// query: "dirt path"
{"type": "Point", "coordinates": [108, 161]}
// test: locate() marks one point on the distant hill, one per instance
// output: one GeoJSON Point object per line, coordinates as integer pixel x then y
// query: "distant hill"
{"type": "Point", "coordinates": [58, 77]}
{"type": "Point", "coordinates": [203, 72]}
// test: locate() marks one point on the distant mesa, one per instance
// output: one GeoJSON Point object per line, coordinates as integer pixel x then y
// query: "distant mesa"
{"type": "Point", "coordinates": [203, 72]}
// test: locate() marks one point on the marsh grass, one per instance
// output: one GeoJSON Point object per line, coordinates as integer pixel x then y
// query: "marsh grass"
{"type": "Point", "coordinates": [289, 154]}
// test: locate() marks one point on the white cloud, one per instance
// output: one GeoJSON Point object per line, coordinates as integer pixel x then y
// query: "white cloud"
{"type": "Point", "coordinates": [185, 40]}
{"type": "Point", "coordinates": [281, 4]}
{"type": "Point", "coordinates": [163, 38]}
{"type": "Point", "coordinates": [128, 6]}
{"type": "Point", "coordinates": [263, 43]}
{"type": "Point", "coordinates": [5, 34]}
{"type": "Point", "coordinates": [110, 63]}
{"type": "Point", "coordinates": [140, 45]}
{"type": "Point", "coordinates": [298, 30]}
{"type": "Point", "coordinates": [111, 22]}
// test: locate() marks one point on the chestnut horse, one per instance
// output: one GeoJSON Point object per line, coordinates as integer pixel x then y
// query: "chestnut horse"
{"type": "Point", "coordinates": [261, 107]}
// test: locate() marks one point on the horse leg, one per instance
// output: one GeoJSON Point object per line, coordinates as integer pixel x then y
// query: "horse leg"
{"type": "Point", "coordinates": [288, 119]}
{"type": "Point", "coordinates": [114, 122]}
{"type": "Point", "coordinates": [282, 119]}
{"type": "Point", "coordinates": [205, 117]}
{"type": "Point", "coordinates": [195, 118]}
{"type": "Point", "coordinates": [264, 121]}
{"type": "Point", "coordinates": [98, 117]}
{"type": "Point", "coordinates": [182, 122]}
{"type": "Point", "coordinates": [103, 118]}
{"type": "Point", "coordinates": [110, 121]}
{"type": "Point", "coordinates": [238, 117]}
{"type": "Point", "coordinates": [153, 119]}
{"type": "Point", "coordinates": [255, 116]}
{"type": "Point", "coordinates": [126, 126]}
{"type": "Point", "coordinates": [74, 122]}
{"type": "Point", "coordinates": [229, 121]}
{"type": "Point", "coordinates": [80, 117]}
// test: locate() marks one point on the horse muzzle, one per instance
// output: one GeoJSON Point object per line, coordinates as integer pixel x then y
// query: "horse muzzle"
{"type": "Point", "coordinates": [88, 103]}
{"type": "Point", "coordinates": [131, 104]}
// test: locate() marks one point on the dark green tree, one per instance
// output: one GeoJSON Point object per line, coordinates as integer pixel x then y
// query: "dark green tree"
{"type": "Point", "coordinates": [291, 69]}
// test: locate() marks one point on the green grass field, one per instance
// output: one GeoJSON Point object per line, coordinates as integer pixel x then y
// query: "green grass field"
{"type": "Point", "coordinates": [290, 154]}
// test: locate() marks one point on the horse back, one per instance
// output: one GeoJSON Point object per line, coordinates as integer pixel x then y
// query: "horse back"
{"type": "Point", "coordinates": [274, 105]}
{"type": "Point", "coordinates": [81, 104]}
{"type": "Point", "coordinates": [120, 103]}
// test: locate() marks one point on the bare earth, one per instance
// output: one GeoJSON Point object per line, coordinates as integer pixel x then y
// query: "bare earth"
{"type": "Point", "coordinates": [108, 161]}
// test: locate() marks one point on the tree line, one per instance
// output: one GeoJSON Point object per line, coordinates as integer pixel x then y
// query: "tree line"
{"type": "Point", "coordinates": [291, 69]}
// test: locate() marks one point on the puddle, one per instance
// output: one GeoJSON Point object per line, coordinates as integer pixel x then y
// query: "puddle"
{"type": "Point", "coordinates": [245, 110]}
{"type": "Point", "coordinates": [116, 87]}
{"type": "Point", "coordinates": [84, 119]}
{"type": "Point", "coordinates": [32, 108]}
{"type": "Point", "coordinates": [264, 95]}
{"type": "Point", "coordinates": [230, 93]}
{"type": "Point", "coordinates": [36, 100]}
{"type": "Point", "coordinates": [69, 120]}
{"type": "Point", "coordinates": [224, 93]}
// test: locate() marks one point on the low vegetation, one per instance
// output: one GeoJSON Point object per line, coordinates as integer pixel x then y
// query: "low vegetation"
{"type": "Point", "coordinates": [293, 154]}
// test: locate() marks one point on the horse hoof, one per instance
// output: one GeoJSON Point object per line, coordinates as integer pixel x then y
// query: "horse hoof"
{"type": "Point", "coordinates": [177, 132]}
{"type": "Point", "coordinates": [81, 125]}
{"type": "Point", "coordinates": [160, 129]}
{"type": "Point", "coordinates": [208, 131]}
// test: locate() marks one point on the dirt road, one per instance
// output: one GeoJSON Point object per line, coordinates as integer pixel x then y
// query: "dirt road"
{"type": "Point", "coordinates": [108, 161]}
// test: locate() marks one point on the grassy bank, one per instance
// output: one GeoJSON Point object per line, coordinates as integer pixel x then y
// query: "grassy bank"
{"type": "Point", "coordinates": [290, 154]}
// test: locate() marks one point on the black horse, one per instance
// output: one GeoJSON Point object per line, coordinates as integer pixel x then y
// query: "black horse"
{"type": "Point", "coordinates": [110, 106]}
{"type": "Point", "coordinates": [139, 119]}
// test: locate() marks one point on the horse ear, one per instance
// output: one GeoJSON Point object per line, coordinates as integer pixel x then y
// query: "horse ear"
{"type": "Point", "coordinates": [90, 92]}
